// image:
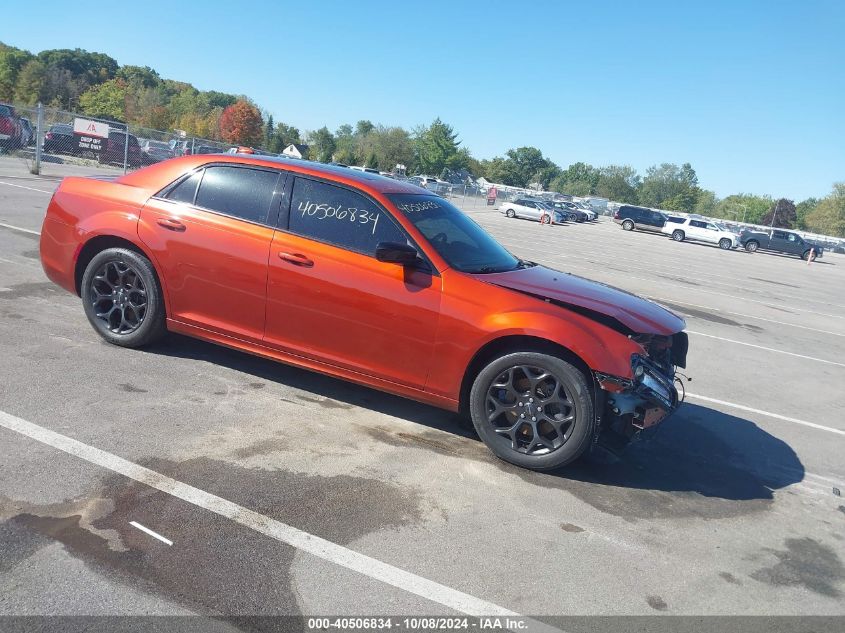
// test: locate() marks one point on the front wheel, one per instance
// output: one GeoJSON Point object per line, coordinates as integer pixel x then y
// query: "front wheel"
{"type": "Point", "coordinates": [678, 236]}
{"type": "Point", "coordinates": [123, 299]}
{"type": "Point", "coordinates": [510, 213]}
{"type": "Point", "coordinates": [725, 244]}
{"type": "Point", "coordinates": [533, 410]}
{"type": "Point", "coordinates": [628, 225]}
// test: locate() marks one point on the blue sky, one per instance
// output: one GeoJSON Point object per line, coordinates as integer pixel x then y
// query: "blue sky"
{"type": "Point", "coordinates": [751, 93]}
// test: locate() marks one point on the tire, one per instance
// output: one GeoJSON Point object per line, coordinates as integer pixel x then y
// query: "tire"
{"type": "Point", "coordinates": [725, 244]}
{"type": "Point", "coordinates": [628, 225]}
{"type": "Point", "coordinates": [122, 298]}
{"type": "Point", "coordinates": [805, 255]}
{"type": "Point", "coordinates": [545, 219]}
{"type": "Point", "coordinates": [536, 444]}
{"type": "Point", "coordinates": [678, 235]}
{"type": "Point", "coordinates": [510, 213]}
{"type": "Point", "coordinates": [751, 246]}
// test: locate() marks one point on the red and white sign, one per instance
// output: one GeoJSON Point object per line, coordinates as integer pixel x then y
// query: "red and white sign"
{"type": "Point", "coordinates": [87, 127]}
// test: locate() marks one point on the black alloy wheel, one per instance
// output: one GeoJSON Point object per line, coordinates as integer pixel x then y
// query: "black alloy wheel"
{"type": "Point", "coordinates": [533, 409]}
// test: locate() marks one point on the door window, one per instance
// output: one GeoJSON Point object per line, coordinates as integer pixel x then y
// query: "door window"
{"type": "Point", "coordinates": [341, 217]}
{"type": "Point", "coordinates": [779, 235]}
{"type": "Point", "coordinates": [698, 224]}
{"type": "Point", "coordinates": [239, 192]}
{"type": "Point", "coordinates": [186, 190]}
{"type": "Point", "coordinates": [792, 238]}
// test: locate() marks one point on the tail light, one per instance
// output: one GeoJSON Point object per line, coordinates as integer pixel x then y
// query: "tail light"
{"type": "Point", "coordinates": [48, 136]}
{"type": "Point", "coordinates": [6, 126]}
{"type": "Point", "coordinates": [616, 214]}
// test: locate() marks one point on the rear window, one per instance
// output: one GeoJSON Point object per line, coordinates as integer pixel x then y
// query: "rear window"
{"type": "Point", "coordinates": [675, 220]}
{"type": "Point", "coordinates": [5, 111]}
{"type": "Point", "coordinates": [239, 192]}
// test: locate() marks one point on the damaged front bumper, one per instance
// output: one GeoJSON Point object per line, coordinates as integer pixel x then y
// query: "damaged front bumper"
{"type": "Point", "coordinates": [628, 406]}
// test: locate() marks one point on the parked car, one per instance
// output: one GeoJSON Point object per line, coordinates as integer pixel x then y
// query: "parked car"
{"type": "Point", "coordinates": [532, 210]}
{"type": "Point", "coordinates": [371, 280]}
{"type": "Point", "coordinates": [114, 150]}
{"type": "Point", "coordinates": [11, 130]}
{"type": "Point", "coordinates": [569, 211]}
{"type": "Point", "coordinates": [591, 213]}
{"type": "Point", "coordinates": [681, 229]}
{"type": "Point", "coordinates": [155, 152]}
{"type": "Point", "coordinates": [59, 139]}
{"type": "Point", "coordinates": [208, 149]}
{"type": "Point", "coordinates": [780, 242]}
{"type": "Point", "coordinates": [180, 147]}
{"type": "Point", "coordinates": [369, 170]}
{"type": "Point", "coordinates": [28, 132]}
{"type": "Point", "coordinates": [631, 217]}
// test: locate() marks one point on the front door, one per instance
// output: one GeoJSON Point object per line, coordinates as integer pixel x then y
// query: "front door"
{"type": "Point", "coordinates": [331, 300]}
{"type": "Point", "coordinates": [210, 236]}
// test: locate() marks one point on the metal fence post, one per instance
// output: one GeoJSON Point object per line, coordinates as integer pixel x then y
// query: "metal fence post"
{"type": "Point", "coordinates": [126, 150]}
{"type": "Point", "coordinates": [39, 139]}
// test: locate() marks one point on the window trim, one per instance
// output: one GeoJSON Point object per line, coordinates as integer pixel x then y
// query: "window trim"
{"type": "Point", "coordinates": [273, 209]}
{"type": "Point", "coordinates": [283, 223]}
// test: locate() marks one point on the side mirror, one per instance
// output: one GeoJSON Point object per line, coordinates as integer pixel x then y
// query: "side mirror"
{"type": "Point", "coordinates": [396, 253]}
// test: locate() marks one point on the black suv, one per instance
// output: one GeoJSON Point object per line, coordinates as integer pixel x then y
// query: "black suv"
{"type": "Point", "coordinates": [781, 242]}
{"type": "Point", "coordinates": [631, 218]}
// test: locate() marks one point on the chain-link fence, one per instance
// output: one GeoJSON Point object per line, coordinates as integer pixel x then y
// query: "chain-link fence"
{"type": "Point", "coordinates": [45, 141]}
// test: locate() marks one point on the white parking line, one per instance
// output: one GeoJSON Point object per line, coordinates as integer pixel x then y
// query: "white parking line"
{"type": "Point", "coordinates": [776, 416]}
{"type": "Point", "coordinates": [309, 543]}
{"type": "Point", "coordinates": [22, 187]}
{"type": "Point", "coordinates": [768, 349]}
{"type": "Point", "coordinates": [150, 532]}
{"type": "Point", "coordinates": [17, 228]}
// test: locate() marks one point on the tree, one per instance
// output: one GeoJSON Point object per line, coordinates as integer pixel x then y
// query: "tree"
{"type": "Point", "coordinates": [29, 87]}
{"type": "Point", "coordinates": [706, 203]}
{"type": "Point", "coordinates": [241, 124]}
{"type": "Point", "coordinates": [12, 61]}
{"type": "Point", "coordinates": [783, 213]}
{"type": "Point", "coordinates": [107, 100]}
{"type": "Point", "coordinates": [436, 147]}
{"type": "Point", "coordinates": [322, 144]}
{"type": "Point", "coordinates": [670, 186]}
{"type": "Point", "coordinates": [579, 179]}
{"type": "Point", "coordinates": [828, 217]}
{"type": "Point", "coordinates": [743, 207]}
{"type": "Point", "coordinates": [618, 183]}
{"type": "Point", "coordinates": [283, 136]}
{"type": "Point", "coordinates": [139, 76]}
{"type": "Point", "coordinates": [268, 131]}
{"type": "Point", "coordinates": [362, 128]}
{"type": "Point", "coordinates": [803, 209]}
{"type": "Point", "coordinates": [346, 143]}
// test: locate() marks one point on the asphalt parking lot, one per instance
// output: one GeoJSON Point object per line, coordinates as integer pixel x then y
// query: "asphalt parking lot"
{"type": "Point", "coordinates": [734, 508]}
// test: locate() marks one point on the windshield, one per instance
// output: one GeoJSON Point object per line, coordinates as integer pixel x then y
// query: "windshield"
{"type": "Point", "coordinates": [459, 240]}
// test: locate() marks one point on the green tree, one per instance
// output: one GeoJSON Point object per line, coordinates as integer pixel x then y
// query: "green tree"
{"type": "Point", "coordinates": [803, 209]}
{"type": "Point", "coordinates": [743, 207]}
{"type": "Point", "coordinates": [30, 86]}
{"type": "Point", "coordinates": [269, 130]}
{"type": "Point", "coordinates": [618, 183]}
{"type": "Point", "coordinates": [106, 100]}
{"type": "Point", "coordinates": [12, 61]}
{"type": "Point", "coordinates": [670, 186]}
{"type": "Point", "coordinates": [283, 136]}
{"type": "Point", "coordinates": [322, 144]}
{"type": "Point", "coordinates": [346, 142]}
{"type": "Point", "coordinates": [828, 216]}
{"type": "Point", "coordinates": [706, 203]}
{"type": "Point", "coordinates": [364, 127]}
{"type": "Point", "coordinates": [579, 179]}
{"type": "Point", "coordinates": [139, 76]}
{"type": "Point", "coordinates": [436, 148]}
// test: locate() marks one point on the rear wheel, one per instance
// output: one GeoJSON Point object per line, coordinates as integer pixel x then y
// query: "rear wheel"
{"type": "Point", "coordinates": [725, 244]}
{"type": "Point", "coordinates": [752, 246]}
{"type": "Point", "coordinates": [123, 299]}
{"type": "Point", "coordinates": [510, 213]}
{"type": "Point", "coordinates": [678, 235]}
{"type": "Point", "coordinates": [628, 225]}
{"type": "Point", "coordinates": [533, 410]}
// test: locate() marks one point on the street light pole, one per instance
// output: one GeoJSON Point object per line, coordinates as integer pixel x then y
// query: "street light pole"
{"type": "Point", "coordinates": [774, 215]}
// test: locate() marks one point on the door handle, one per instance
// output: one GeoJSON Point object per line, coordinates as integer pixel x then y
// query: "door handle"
{"type": "Point", "coordinates": [171, 225]}
{"type": "Point", "coordinates": [297, 259]}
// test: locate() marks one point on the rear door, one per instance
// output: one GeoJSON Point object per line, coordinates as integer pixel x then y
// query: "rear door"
{"type": "Point", "coordinates": [779, 242]}
{"type": "Point", "coordinates": [210, 234]}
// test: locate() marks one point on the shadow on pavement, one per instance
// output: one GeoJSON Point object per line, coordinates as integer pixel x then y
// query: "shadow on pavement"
{"type": "Point", "coordinates": [698, 454]}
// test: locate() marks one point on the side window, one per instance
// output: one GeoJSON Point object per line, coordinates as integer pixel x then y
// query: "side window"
{"type": "Point", "coordinates": [712, 227]}
{"type": "Point", "coordinates": [792, 237]}
{"type": "Point", "coordinates": [697, 224]}
{"type": "Point", "coordinates": [341, 217]}
{"type": "Point", "coordinates": [779, 235]}
{"type": "Point", "coordinates": [186, 190]}
{"type": "Point", "coordinates": [240, 192]}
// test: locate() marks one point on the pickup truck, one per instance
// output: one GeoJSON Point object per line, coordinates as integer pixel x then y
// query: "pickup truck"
{"type": "Point", "coordinates": [780, 242]}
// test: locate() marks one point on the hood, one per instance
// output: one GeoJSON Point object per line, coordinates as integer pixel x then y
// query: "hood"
{"type": "Point", "coordinates": [591, 298]}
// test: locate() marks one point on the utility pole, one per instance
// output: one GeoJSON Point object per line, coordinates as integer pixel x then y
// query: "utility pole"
{"type": "Point", "coordinates": [774, 215]}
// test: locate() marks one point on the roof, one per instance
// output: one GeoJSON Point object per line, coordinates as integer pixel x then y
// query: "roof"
{"type": "Point", "coordinates": [171, 169]}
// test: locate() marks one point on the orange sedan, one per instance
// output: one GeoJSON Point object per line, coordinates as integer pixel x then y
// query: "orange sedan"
{"type": "Point", "coordinates": [368, 279]}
